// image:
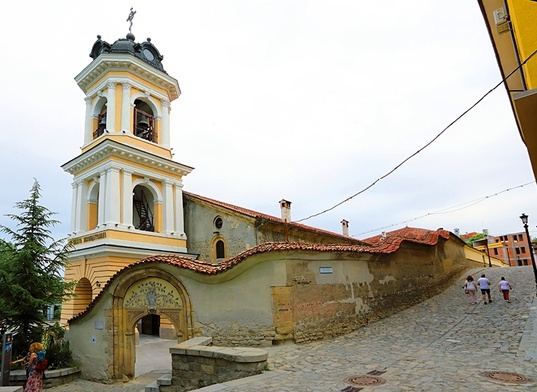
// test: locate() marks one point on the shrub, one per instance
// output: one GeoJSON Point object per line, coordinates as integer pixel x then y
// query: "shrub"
{"type": "Point", "coordinates": [58, 351]}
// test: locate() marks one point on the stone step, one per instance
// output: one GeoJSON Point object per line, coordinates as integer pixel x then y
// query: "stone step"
{"type": "Point", "coordinates": [165, 380]}
{"type": "Point", "coordinates": [153, 387]}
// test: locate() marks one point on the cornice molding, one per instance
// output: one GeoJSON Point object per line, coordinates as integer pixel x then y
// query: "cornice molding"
{"type": "Point", "coordinates": [126, 62]}
{"type": "Point", "coordinates": [109, 149]}
{"type": "Point", "coordinates": [99, 89]}
{"type": "Point", "coordinates": [100, 250]}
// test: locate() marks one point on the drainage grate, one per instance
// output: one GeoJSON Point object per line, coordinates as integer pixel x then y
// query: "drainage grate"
{"type": "Point", "coordinates": [507, 377]}
{"type": "Point", "coordinates": [365, 380]}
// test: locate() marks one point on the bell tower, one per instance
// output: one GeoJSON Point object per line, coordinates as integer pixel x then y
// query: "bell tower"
{"type": "Point", "coordinates": [127, 200]}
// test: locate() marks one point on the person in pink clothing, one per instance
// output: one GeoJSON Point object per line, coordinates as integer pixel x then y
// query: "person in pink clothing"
{"type": "Point", "coordinates": [34, 383]}
{"type": "Point", "coordinates": [504, 287]}
{"type": "Point", "coordinates": [471, 288]}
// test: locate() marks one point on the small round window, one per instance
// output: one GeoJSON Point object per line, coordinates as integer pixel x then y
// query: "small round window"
{"type": "Point", "coordinates": [149, 55]}
{"type": "Point", "coordinates": [218, 222]}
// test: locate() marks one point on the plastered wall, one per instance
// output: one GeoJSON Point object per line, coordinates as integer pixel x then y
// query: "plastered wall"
{"type": "Point", "coordinates": [298, 295]}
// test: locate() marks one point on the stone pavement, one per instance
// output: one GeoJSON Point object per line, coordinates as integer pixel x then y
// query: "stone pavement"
{"type": "Point", "coordinates": [442, 344]}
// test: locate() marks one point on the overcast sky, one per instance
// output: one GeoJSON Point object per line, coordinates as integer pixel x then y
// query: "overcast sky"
{"type": "Point", "coordinates": [309, 101]}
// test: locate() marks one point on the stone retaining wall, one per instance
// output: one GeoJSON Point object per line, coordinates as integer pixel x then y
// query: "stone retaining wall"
{"type": "Point", "coordinates": [195, 364]}
{"type": "Point", "coordinates": [232, 334]}
{"type": "Point", "coordinates": [53, 378]}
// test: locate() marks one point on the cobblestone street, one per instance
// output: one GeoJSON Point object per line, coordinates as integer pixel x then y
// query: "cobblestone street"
{"type": "Point", "coordinates": [442, 344]}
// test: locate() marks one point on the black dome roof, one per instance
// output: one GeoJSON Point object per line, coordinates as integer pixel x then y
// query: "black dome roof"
{"type": "Point", "coordinates": [145, 51]}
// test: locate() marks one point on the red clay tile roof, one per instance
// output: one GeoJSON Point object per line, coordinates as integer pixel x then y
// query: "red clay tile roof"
{"type": "Point", "coordinates": [390, 245]}
{"type": "Point", "coordinates": [421, 236]}
{"type": "Point", "coordinates": [468, 235]}
{"type": "Point", "coordinates": [256, 214]}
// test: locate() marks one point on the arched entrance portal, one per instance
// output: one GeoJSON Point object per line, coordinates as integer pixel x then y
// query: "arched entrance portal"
{"type": "Point", "coordinates": [152, 344]}
{"type": "Point", "coordinates": [149, 325]}
{"type": "Point", "coordinates": [147, 292]}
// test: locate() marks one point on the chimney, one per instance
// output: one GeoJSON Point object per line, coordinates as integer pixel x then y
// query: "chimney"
{"type": "Point", "coordinates": [285, 206]}
{"type": "Point", "coordinates": [383, 235]}
{"type": "Point", "coordinates": [457, 232]}
{"type": "Point", "coordinates": [345, 227]}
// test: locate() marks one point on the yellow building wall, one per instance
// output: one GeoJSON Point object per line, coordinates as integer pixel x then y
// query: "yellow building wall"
{"type": "Point", "coordinates": [98, 271]}
{"type": "Point", "coordinates": [523, 16]}
{"type": "Point", "coordinates": [478, 257]}
{"type": "Point", "coordinates": [92, 216]}
{"type": "Point", "coordinates": [157, 223]}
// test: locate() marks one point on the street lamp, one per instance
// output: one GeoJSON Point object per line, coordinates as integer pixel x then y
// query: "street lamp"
{"type": "Point", "coordinates": [488, 252]}
{"type": "Point", "coordinates": [524, 218]}
{"type": "Point", "coordinates": [486, 232]}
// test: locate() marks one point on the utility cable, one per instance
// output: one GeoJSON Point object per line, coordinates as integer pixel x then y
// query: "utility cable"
{"type": "Point", "coordinates": [447, 210]}
{"type": "Point", "coordinates": [425, 146]}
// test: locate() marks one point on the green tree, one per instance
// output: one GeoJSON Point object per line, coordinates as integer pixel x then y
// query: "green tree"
{"type": "Point", "coordinates": [475, 237]}
{"type": "Point", "coordinates": [31, 268]}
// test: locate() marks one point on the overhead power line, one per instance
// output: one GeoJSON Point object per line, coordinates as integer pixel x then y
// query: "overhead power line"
{"type": "Point", "coordinates": [448, 210]}
{"type": "Point", "coordinates": [425, 146]}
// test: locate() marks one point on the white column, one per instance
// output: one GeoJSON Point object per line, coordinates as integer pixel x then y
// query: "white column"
{"type": "Point", "coordinates": [102, 199]}
{"type": "Point", "coordinates": [126, 109]}
{"type": "Point", "coordinates": [112, 206]}
{"type": "Point", "coordinates": [74, 207]}
{"type": "Point", "coordinates": [111, 107]}
{"type": "Point", "coordinates": [78, 205]}
{"type": "Point", "coordinates": [82, 220]}
{"type": "Point", "coordinates": [126, 218]}
{"type": "Point", "coordinates": [88, 132]}
{"type": "Point", "coordinates": [167, 208]}
{"type": "Point", "coordinates": [165, 124]}
{"type": "Point", "coordinates": [179, 218]}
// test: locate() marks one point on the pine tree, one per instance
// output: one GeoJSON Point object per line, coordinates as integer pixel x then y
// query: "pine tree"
{"type": "Point", "coordinates": [31, 268]}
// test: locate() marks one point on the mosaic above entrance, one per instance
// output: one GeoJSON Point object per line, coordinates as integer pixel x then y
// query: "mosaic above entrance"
{"type": "Point", "coordinates": [152, 293]}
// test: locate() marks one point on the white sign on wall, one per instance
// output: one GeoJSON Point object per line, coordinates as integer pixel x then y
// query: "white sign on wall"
{"type": "Point", "coordinates": [325, 270]}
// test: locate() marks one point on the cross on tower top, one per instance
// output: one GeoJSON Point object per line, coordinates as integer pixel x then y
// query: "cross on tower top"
{"type": "Point", "coordinates": [130, 18]}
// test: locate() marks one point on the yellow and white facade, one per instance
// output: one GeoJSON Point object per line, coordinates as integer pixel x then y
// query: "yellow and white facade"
{"type": "Point", "coordinates": [127, 200]}
{"type": "Point", "coordinates": [512, 29]}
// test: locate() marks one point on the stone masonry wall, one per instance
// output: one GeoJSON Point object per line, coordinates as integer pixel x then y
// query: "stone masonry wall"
{"type": "Point", "coordinates": [196, 365]}
{"type": "Point", "coordinates": [234, 335]}
{"type": "Point", "coordinates": [397, 282]}
{"type": "Point", "coordinates": [361, 288]}
{"type": "Point", "coordinates": [191, 372]}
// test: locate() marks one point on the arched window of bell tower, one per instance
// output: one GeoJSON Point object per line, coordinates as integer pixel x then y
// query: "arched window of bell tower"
{"type": "Point", "coordinates": [143, 204]}
{"type": "Point", "coordinates": [100, 111]}
{"type": "Point", "coordinates": [144, 121]}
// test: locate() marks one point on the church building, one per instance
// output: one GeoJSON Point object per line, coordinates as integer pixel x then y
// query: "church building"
{"type": "Point", "coordinates": [152, 258]}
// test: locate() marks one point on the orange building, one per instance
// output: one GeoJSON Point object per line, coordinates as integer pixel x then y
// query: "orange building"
{"type": "Point", "coordinates": [515, 249]}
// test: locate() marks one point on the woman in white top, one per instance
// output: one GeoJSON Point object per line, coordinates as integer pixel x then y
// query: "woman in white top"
{"type": "Point", "coordinates": [504, 287]}
{"type": "Point", "coordinates": [471, 287]}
